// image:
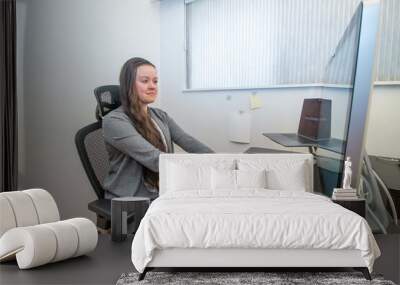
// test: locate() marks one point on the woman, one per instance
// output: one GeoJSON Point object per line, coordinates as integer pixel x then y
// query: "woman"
{"type": "Point", "coordinates": [136, 134]}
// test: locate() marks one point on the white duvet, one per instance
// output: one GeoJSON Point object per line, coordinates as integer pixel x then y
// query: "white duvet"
{"type": "Point", "coordinates": [251, 218]}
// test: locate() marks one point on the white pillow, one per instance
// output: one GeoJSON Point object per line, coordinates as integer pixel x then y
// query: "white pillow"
{"type": "Point", "coordinates": [223, 179]}
{"type": "Point", "coordinates": [282, 174]}
{"type": "Point", "coordinates": [227, 179]}
{"type": "Point", "coordinates": [188, 177]}
{"type": "Point", "coordinates": [293, 179]}
{"type": "Point", "coordinates": [251, 178]}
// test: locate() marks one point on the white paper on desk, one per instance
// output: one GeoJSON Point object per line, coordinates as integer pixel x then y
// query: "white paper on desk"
{"type": "Point", "coordinates": [239, 127]}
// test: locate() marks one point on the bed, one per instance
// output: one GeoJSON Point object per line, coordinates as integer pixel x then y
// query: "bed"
{"type": "Point", "coordinates": [247, 210]}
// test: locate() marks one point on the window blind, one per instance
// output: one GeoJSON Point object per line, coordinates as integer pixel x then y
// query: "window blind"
{"type": "Point", "coordinates": [261, 43]}
{"type": "Point", "coordinates": [388, 60]}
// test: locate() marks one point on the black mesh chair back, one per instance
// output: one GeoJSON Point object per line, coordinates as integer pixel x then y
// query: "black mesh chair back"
{"type": "Point", "coordinates": [92, 152]}
{"type": "Point", "coordinates": [94, 157]}
{"type": "Point", "coordinates": [107, 97]}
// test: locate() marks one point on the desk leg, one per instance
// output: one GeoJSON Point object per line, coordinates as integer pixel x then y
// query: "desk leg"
{"type": "Point", "coordinates": [313, 149]}
{"type": "Point", "coordinates": [318, 181]}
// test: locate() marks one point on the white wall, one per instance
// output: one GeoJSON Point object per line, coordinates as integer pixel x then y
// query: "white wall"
{"type": "Point", "coordinates": [69, 48]}
{"type": "Point", "coordinates": [383, 131]}
{"type": "Point", "coordinates": [206, 114]}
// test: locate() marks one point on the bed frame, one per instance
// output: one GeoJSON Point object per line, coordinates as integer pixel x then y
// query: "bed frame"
{"type": "Point", "coordinates": [242, 259]}
{"type": "Point", "coordinates": [246, 258]}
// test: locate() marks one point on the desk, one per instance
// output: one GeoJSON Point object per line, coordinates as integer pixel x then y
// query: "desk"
{"type": "Point", "coordinates": [265, 150]}
{"type": "Point", "coordinates": [294, 140]}
{"type": "Point", "coordinates": [321, 181]}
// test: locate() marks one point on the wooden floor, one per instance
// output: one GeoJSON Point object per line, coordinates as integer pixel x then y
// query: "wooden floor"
{"type": "Point", "coordinates": [389, 262]}
{"type": "Point", "coordinates": [110, 260]}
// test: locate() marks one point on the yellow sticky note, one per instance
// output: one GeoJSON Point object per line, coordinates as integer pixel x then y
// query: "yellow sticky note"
{"type": "Point", "coordinates": [255, 102]}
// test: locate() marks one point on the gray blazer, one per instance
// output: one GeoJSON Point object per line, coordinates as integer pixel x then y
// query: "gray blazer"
{"type": "Point", "coordinates": [129, 152]}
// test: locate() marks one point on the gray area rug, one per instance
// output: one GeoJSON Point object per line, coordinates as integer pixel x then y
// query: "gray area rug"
{"type": "Point", "coordinates": [228, 278]}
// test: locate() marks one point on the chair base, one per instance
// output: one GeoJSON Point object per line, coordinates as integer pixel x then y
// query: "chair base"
{"type": "Point", "coordinates": [102, 209]}
{"type": "Point", "coordinates": [103, 224]}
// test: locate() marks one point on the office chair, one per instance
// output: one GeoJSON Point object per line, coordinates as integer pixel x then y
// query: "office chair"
{"type": "Point", "coordinates": [93, 155]}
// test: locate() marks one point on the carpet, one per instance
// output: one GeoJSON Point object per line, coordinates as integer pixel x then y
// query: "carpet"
{"type": "Point", "coordinates": [269, 278]}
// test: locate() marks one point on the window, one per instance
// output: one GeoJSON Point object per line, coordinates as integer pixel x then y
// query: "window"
{"type": "Point", "coordinates": [388, 63]}
{"type": "Point", "coordinates": [262, 43]}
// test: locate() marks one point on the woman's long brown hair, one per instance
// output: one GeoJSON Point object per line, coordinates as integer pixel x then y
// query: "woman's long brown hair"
{"type": "Point", "coordinates": [142, 121]}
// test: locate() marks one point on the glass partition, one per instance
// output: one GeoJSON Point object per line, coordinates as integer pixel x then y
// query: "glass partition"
{"type": "Point", "coordinates": [323, 114]}
{"type": "Point", "coordinates": [339, 72]}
